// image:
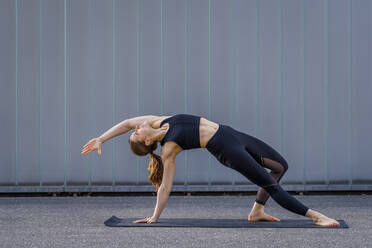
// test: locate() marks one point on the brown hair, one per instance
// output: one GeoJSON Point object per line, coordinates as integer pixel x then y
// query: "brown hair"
{"type": "Point", "coordinates": [155, 167]}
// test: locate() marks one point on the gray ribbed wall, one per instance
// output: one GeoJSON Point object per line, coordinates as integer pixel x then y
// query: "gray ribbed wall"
{"type": "Point", "coordinates": [296, 74]}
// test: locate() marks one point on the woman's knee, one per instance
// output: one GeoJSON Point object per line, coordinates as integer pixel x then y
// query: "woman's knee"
{"type": "Point", "coordinates": [277, 165]}
{"type": "Point", "coordinates": [285, 165]}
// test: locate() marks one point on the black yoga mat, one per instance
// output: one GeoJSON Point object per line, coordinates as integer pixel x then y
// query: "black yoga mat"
{"type": "Point", "coordinates": [214, 223]}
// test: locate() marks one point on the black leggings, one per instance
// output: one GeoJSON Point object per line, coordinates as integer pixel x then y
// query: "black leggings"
{"type": "Point", "coordinates": [248, 155]}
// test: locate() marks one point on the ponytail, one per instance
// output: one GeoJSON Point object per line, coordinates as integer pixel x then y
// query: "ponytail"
{"type": "Point", "coordinates": [155, 169]}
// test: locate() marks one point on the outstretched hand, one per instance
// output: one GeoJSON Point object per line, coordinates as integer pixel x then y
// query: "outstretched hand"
{"type": "Point", "coordinates": [93, 144]}
{"type": "Point", "coordinates": [146, 220]}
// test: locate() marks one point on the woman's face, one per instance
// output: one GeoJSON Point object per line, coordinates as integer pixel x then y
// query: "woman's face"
{"type": "Point", "coordinates": [141, 132]}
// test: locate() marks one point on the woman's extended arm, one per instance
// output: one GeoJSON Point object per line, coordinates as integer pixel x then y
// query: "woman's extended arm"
{"type": "Point", "coordinates": [95, 143]}
{"type": "Point", "coordinates": [125, 126]}
{"type": "Point", "coordinates": [116, 130]}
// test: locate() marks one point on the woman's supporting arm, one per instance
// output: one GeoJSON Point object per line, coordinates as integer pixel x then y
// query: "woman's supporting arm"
{"type": "Point", "coordinates": [161, 201]}
{"type": "Point", "coordinates": [165, 187]}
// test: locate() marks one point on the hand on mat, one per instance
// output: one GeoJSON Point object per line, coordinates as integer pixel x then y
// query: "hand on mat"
{"type": "Point", "coordinates": [146, 220]}
{"type": "Point", "coordinates": [93, 144]}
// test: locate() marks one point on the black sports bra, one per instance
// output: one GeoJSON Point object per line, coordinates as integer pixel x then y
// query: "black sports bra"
{"type": "Point", "coordinates": [184, 130]}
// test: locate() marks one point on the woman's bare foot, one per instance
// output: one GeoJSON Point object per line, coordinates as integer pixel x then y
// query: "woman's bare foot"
{"type": "Point", "coordinates": [321, 220]}
{"type": "Point", "coordinates": [261, 217]}
{"type": "Point", "coordinates": [325, 221]}
{"type": "Point", "coordinates": [257, 214]}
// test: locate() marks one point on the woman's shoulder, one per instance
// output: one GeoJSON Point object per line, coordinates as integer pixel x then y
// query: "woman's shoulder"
{"type": "Point", "coordinates": [158, 120]}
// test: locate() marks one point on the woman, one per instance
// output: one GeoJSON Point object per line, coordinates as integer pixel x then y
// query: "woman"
{"type": "Point", "coordinates": [239, 151]}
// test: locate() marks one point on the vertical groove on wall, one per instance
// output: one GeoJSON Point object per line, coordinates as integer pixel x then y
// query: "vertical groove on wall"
{"type": "Point", "coordinates": [65, 93]}
{"type": "Point", "coordinates": [16, 81]}
{"type": "Point", "coordinates": [113, 93]}
{"type": "Point", "coordinates": [209, 81]}
{"type": "Point", "coordinates": [350, 35]}
{"type": "Point", "coordinates": [326, 91]}
{"type": "Point", "coordinates": [233, 172]}
{"type": "Point", "coordinates": [304, 86]}
{"type": "Point", "coordinates": [161, 60]}
{"type": "Point", "coordinates": [90, 80]}
{"type": "Point", "coordinates": [138, 74]}
{"type": "Point", "coordinates": [40, 95]}
{"type": "Point", "coordinates": [257, 66]}
{"type": "Point", "coordinates": [186, 88]}
{"type": "Point", "coordinates": [281, 76]}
